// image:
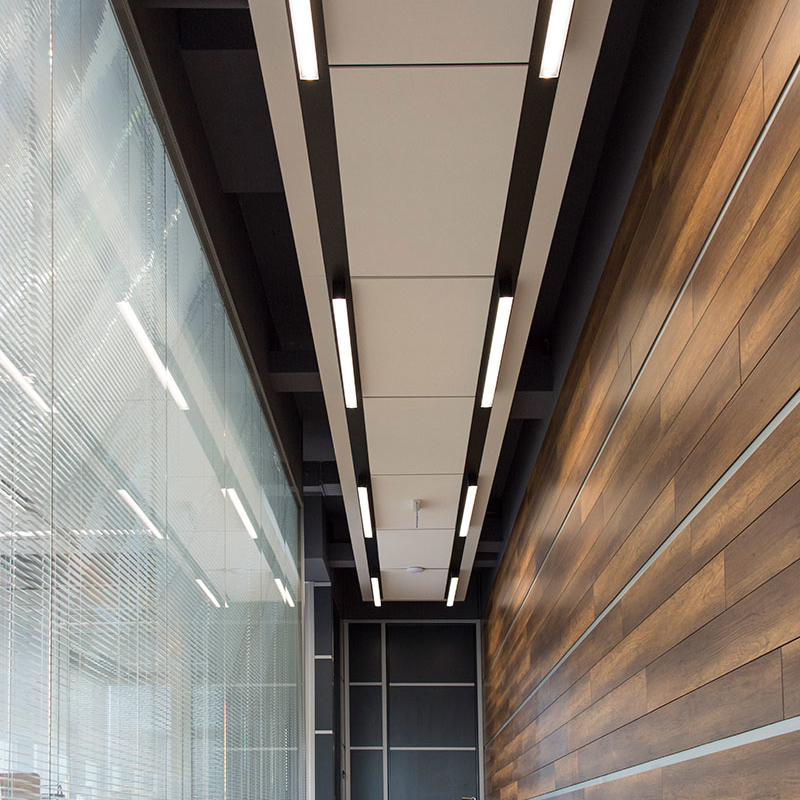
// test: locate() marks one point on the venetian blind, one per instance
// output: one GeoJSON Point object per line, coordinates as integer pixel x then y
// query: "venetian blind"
{"type": "Point", "coordinates": [145, 516]}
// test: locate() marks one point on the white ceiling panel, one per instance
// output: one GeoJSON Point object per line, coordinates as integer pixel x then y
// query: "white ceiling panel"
{"type": "Point", "coordinates": [402, 585]}
{"type": "Point", "coordinates": [420, 337]}
{"type": "Point", "coordinates": [415, 548]}
{"type": "Point", "coordinates": [417, 435]}
{"type": "Point", "coordinates": [393, 500]}
{"type": "Point", "coordinates": [425, 32]}
{"type": "Point", "coordinates": [425, 156]}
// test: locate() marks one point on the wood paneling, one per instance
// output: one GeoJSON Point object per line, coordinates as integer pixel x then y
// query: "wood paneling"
{"type": "Point", "coordinates": [647, 601]}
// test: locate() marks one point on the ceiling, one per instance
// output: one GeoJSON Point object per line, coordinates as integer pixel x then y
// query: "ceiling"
{"type": "Point", "coordinates": [426, 105]}
{"type": "Point", "coordinates": [427, 164]}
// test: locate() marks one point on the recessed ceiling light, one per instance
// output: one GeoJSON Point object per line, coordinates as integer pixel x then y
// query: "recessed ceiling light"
{"type": "Point", "coordinates": [451, 594]}
{"type": "Point", "coordinates": [366, 517]}
{"type": "Point", "coordinates": [345, 347]}
{"type": "Point", "coordinates": [469, 505]}
{"type": "Point", "coordinates": [556, 40]}
{"type": "Point", "coordinates": [496, 349]}
{"type": "Point", "coordinates": [303, 32]}
{"type": "Point", "coordinates": [376, 592]}
{"type": "Point", "coordinates": [162, 373]}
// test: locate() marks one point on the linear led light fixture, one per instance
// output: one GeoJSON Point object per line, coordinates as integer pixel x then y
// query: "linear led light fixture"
{"type": "Point", "coordinates": [451, 594]}
{"type": "Point", "coordinates": [287, 598]}
{"type": "Point", "coordinates": [162, 373]}
{"type": "Point", "coordinates": [237, 504]}
{"type": "Point", "coordinates": [556, 40]}
{"type": "Point", "coordinates": [466, 514]}
{"type": "Point", "coordinates": [24, 384]}
{"type": "Point", "coordinates": [345, 347]}
{"type": "Point", "coordinates": [501, 319]}
{"type": "Point", "coordinates": [136, 508]}
{"type": "Point", "coordinates": [207, 592]}
{"type": "Point", "coordinates": [303, 32]}
{"type": "Point", "coordinates": [376, 592]}
{"type": "Point", "coordinates": [366, 518]}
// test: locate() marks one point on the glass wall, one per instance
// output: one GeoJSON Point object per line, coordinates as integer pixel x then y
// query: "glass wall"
{"type": "Point", "coordinates": [149, 543]}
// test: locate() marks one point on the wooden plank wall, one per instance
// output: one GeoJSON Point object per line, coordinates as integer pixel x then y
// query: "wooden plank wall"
{"type": "Point", "coordinates": [649, 598]}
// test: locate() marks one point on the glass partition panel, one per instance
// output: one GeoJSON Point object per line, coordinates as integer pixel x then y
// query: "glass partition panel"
{"type": "Point", "coordinates": [149, 539]}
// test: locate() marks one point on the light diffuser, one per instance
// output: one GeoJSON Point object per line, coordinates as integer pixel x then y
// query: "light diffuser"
{"type": "Point", "coordinates": [496, 350]}
{"type": "Point", "coordinates": [556, 40]}
{"type": "Point", "coordinates": [342, 324]}
{"type": "Point", "coordinates": [303, 33]}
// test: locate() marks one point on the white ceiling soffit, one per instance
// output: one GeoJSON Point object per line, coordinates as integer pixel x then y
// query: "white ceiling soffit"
{"type": "Point", "coordinates": [417, 436]}
{"type": "Point", "coordinates": [409, 330]}
{"type": "Point", "coordinates": [431, 548]}
{"type": "Point", "coordinates": [401, 585]}
{"type": "Point", "coordinates": [390, 495]}
{"type": "Point", "coordinates": [425, 155]}
{"type": "Point", "coordinates": [273, 40]}
{"type": "Point", "coordinates": [425, 32]}
{"type": "Point", "coordinates": [426, 104]}
{"type": "Point", "coordinates": [426, 115]}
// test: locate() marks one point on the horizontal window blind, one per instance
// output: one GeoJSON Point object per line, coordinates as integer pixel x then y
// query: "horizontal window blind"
{"type": "Point", "coordinates": [146, 520]}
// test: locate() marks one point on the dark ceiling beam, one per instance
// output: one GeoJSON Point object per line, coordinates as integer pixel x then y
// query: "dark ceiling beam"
{"type": "Point", "coordinates": [340, 556]}
{"type": "Point", "coordinates": [321, 478]}
{"type": "Point", "coordinates": [294, 371]}
{"type": "Point", "coordinates": [285, 382]}
{"type": "Point", "coordinates": [531, 405]}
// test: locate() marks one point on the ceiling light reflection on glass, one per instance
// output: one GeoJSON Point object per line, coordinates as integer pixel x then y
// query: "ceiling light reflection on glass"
{"type": "Point", "coordinates": [237, 504]}
{"type": "Point", "coordinates": [24, 383]}
{"type": "Point", "coordinates": [287, 597]}
{"type": "Point", "coordinates": [136, 508]}
{"type": "Point", "coordinates": [162, 373]}
{"type": "Point", "coordinates": [556, 41]}
{"type": "Point", "coordinates": [207, 592]}
{"type": "Point", "coordinates": [303, 32]}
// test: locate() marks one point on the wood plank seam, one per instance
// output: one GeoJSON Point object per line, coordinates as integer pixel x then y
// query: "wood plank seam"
{"type": "Point", "coordinates": [672, 699]}
{"type": "Point", "coordinates": [765, 433]}
{"type": "Point", "coordinates": [771, 731]}
{"type": "Point", "coordinates": [717, 222]}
